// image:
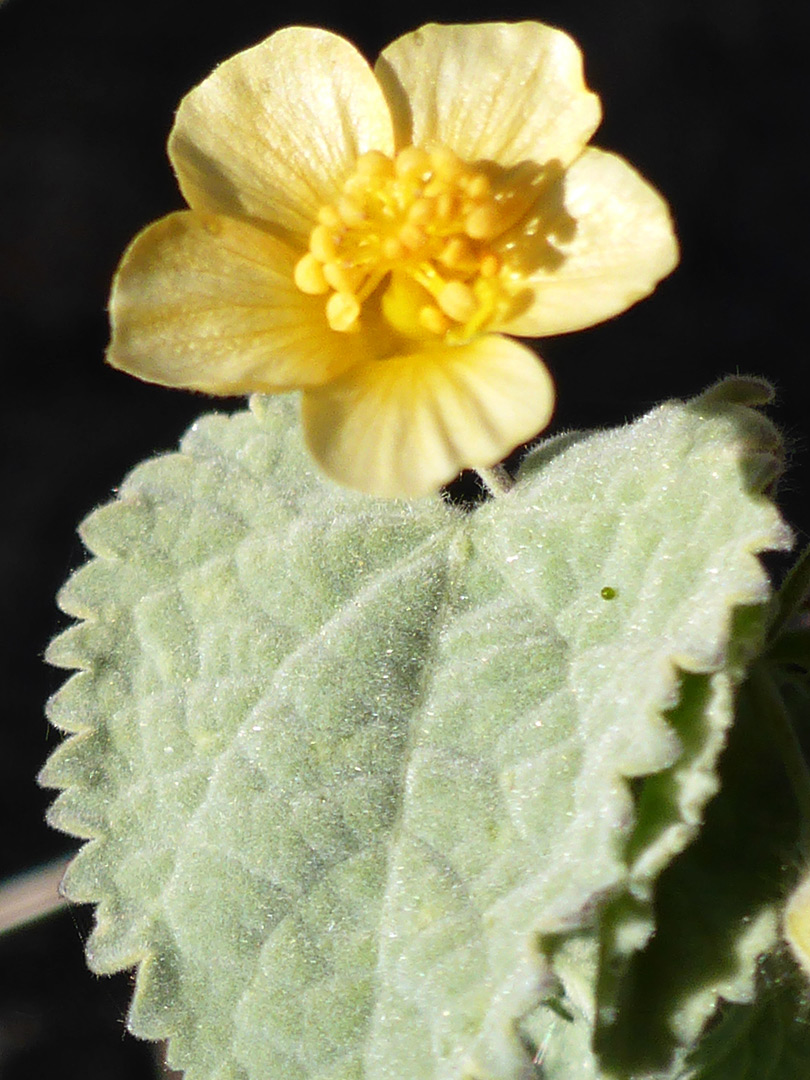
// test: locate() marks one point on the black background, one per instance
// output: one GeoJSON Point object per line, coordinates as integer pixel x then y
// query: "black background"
{"type": "Point", "coordinates": [708, 98]}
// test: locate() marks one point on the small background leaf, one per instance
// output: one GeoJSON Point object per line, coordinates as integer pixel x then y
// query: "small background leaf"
{"type": "Point", "coordinates": [767, 1040]}
{"type": "Point", "coordinates": [717, 910]}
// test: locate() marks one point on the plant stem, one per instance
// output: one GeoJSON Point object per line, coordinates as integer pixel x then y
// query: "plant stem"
{"type": "Point", "coordinates": [496, 480]}
{"type": "Point", "coordinates": [31, 895]}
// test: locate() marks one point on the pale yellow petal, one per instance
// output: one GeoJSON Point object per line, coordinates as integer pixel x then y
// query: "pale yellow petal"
{"type": "Point", "coordinates": [797, 923]}
{"type": "Point", "coordinates": [405, 426]}
{"type": "Point", "coordinates": [616, 243]}
{"type": "Point", "coordinates": [505, 92]}
{"type": "Point", "coordinates": [208, 303]}
{"type": "Point", "coordinates": [273, 131]}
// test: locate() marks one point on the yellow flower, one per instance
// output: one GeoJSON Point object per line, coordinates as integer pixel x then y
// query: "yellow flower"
{"type": "Point", "coordinates": [796, 923]}
{"type": "Point", "coordinates": [368, 237]}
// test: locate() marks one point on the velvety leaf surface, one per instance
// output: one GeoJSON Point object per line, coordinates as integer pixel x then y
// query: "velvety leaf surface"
{"type": "Point", "coordinates": [364, 781]}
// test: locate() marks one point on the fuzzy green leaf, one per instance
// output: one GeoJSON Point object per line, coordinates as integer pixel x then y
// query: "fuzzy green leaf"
{"type": "Point", "coordinates": [717, 908]}
{"type": "Point", "coordinates": [360, 778]}
{"type": "Point", "coordinates": [767, 1040]}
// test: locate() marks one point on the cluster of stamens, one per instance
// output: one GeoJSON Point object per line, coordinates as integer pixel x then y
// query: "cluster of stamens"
{"type": "Point", "coordinates": [426, 227]}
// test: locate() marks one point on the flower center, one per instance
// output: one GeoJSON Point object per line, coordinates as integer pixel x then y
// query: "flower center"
{"type": "Point", "coordinates": [424, 234]}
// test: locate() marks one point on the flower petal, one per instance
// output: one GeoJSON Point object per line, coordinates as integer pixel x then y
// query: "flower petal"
{"type": "Point", "coordinates": [273, 131]}
{"type": "Point", "coordinates": [405, 426]}
{"type": "Point", "coordinates": [208, 303]}
{"type": "Point", "coordinates": [622, 244]}
{"type": "Point", "coordinates": [504, 92]}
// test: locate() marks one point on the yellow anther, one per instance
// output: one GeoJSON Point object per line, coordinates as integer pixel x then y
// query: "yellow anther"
{"type": "Point", "coordinates": [351, 212]}
{"type": "Point", "coordinates": [328, 216]}
{"type": "Point", "coordinates": [392, 248]}
{"type": "Point", "coordinates": [322, 245]}
{"type": "Point", "coordinates": [457, 253]}
{"type": "Point", "coordinates": [446, 205]}
{"type": "Point", "coordinates": [485, 222]}
{"type": "Point", "coordinates": [357, 187]}
{"type": "Point", "coordinates": [413, 162]}
{"type": "Point", "coordinates": [478, 186]}
{"type": "Point", "coordinates": [342, 312]}
{"type": "Point", "coordinates": [412, 237]}
{"type": "Point", "coordinates": [435, 187]}
{"type": "Point", "coordinates": [490, 265]}
{"type": "Point", "coordinates": [374, 165]}
{"type": "Point", "coordinates": [458, 301]}
{"type": "Point", "coordinates": [433, 320]}
{"type": "Point", "coordinates": [421, 212]}
{"type": "Point", "coordinates": [446, 165]}
{"type": "Point", "coordinates": [340, 278]}
{"type": "Point", "coordinates": [308, 275]}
